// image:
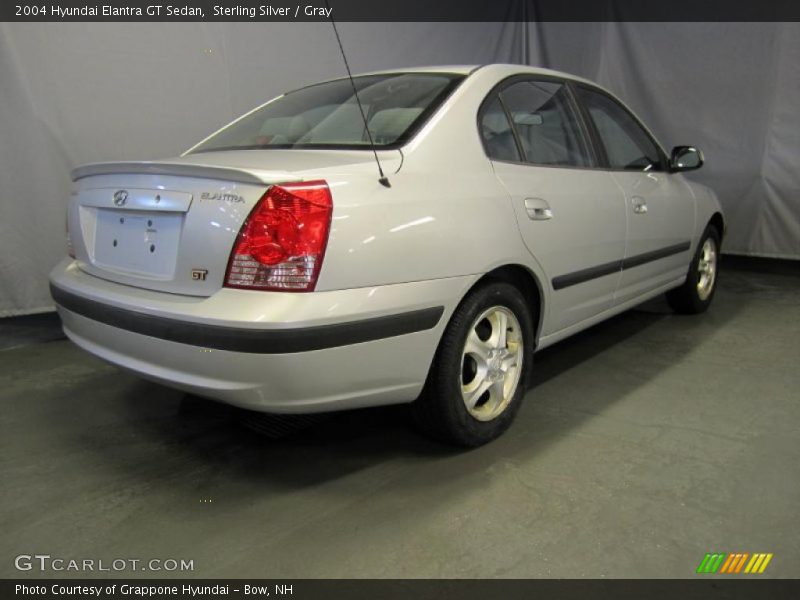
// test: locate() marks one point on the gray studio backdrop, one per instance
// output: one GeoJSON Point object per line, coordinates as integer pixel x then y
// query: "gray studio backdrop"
{"type": "Point", "coordinates": [79, 92]}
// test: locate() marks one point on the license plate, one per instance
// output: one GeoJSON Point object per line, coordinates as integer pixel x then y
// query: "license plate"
{"type": "Point", "coordinates": [142, 243]}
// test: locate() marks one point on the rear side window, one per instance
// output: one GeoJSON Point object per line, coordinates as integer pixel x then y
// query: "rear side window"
{"type": "Point", "coordinates": [546, 124]}
{"type": "Point", "coordinates": [498, 138]}
{"type": "Point", "coordinates": [627, 144]}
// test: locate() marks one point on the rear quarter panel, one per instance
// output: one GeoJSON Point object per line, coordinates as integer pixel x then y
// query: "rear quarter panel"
{"type": "Point", "coordinates": [430, 224]}
{"type": "Point", "coordinates": [445, 214]}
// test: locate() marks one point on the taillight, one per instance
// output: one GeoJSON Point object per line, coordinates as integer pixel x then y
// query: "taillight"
{"type": "Point", "coordinates": [282, 242]}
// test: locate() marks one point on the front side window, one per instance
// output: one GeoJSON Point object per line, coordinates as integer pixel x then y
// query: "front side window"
{"type": "Point", "coordinates": [327, 115]}
{"type": "Point", "coordinates": [546, 124]}
{"type": "Point", "coordinates": [627, 145]}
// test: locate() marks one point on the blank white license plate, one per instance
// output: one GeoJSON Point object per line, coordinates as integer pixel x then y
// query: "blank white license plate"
{"type": "Point", "coordinates": [143, 243]}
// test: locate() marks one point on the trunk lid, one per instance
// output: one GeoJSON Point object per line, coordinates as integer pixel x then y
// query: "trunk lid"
{"type": "Point", "coordinates": [170, 225]}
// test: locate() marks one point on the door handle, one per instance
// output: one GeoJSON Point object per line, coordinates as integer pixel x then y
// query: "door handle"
{"type": "Point", "coordinates": [538, 209]}
{"type": "Point", "coordinates": [639, 205]}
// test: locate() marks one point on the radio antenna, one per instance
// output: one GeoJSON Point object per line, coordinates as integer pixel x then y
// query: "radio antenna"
{"type": "Point", "coordinates": [384, 181]}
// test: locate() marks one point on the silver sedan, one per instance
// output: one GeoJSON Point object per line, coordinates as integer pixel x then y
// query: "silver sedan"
{"type": "Point", "coordinates": [414, 242]}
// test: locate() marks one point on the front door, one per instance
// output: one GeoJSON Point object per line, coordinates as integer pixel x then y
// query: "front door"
{"type": "Point", "coordinates": [659, 205]}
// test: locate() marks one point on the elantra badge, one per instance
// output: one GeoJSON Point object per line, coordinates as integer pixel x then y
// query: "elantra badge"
{"type": "Point", "coordinates": [229, 198]}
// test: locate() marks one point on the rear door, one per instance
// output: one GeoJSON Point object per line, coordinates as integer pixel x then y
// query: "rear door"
{"type": "Point", "coordinates": [571, 214]}
{"type": "Point", "coordinates": [660, 207]}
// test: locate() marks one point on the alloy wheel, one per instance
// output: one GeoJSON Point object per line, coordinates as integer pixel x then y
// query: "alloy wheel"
{"type": "Point", "coordinates": [491, 363]}
{"type": "Point", "coordinates": [707, 269]}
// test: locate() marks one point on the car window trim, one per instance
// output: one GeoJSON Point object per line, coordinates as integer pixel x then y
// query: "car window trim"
{"type": "Point", "coordinates": [510, 118]}
{"type": "Point", "coordinates": [598, 147]}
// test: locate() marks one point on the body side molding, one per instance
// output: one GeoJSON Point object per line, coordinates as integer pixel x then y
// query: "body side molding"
{"type": "Point", "coordinates": [576, 277]}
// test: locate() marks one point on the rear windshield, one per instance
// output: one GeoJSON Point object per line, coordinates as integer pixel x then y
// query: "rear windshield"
{"type": "Point", "coordinates": [326, 115]}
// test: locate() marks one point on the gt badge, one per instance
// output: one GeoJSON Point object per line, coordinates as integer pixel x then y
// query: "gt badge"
{"type": "Point", "coordinates": [199, 274]}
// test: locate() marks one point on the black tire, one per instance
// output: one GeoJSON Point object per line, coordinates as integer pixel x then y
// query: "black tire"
{"type": "Point", "coordinates": [441, 411]}
{"type": "Point", "coordinates": [688, 299]}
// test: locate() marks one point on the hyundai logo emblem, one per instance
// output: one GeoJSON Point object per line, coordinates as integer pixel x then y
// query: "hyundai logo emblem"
{"type": "Point", "coordinates": [120, 198]}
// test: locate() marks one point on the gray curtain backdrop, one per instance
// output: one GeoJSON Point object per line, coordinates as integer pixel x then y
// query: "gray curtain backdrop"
{"type": "Point", "coordinates": [72, 93]}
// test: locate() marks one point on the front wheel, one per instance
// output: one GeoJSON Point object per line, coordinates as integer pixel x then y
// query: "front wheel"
{"type": "Point", "coordinates": [696, 293]}
{"type": "Point", "coordinates": [479, 373]}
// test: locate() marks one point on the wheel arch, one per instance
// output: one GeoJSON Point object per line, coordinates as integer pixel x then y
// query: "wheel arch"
{"type": "Point", "coordinates": [527, 283]}
{"type": "Point", "coordinates": [718, 222]}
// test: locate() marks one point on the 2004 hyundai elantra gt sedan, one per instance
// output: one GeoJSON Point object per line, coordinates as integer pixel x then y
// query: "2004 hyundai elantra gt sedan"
{"type": "Point", "coordinates": [270, 268]}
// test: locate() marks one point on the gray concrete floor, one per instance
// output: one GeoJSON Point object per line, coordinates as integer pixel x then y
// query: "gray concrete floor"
{"type": "Point", "coordinates": [646, 442]}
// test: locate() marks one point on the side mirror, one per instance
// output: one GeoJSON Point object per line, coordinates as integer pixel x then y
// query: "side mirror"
{"type": "Point", "coordinates": [685, 158]}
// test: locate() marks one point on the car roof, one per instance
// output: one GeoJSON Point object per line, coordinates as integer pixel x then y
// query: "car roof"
{"type": "Point", "coordinates": [499, 70]}
{"type": "Point", "coordinates": [454, 69]}
{"type": "Point", "coordinates": [502, 68]}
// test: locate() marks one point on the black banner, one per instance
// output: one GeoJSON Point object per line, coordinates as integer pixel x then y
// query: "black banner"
{"type": "Point", "coordinates": [702, 588]}
{"type": "Point", "coordinates": [403, 10]}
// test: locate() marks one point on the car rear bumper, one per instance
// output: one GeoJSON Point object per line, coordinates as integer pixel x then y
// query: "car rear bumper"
{"type": "Point", "coordinates": [275, 352]}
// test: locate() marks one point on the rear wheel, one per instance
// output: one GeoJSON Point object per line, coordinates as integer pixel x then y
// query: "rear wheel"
{"type": "Point", "coordinates": [696, 293]}
{"type": "Point", "coordinates": [479, 372]}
